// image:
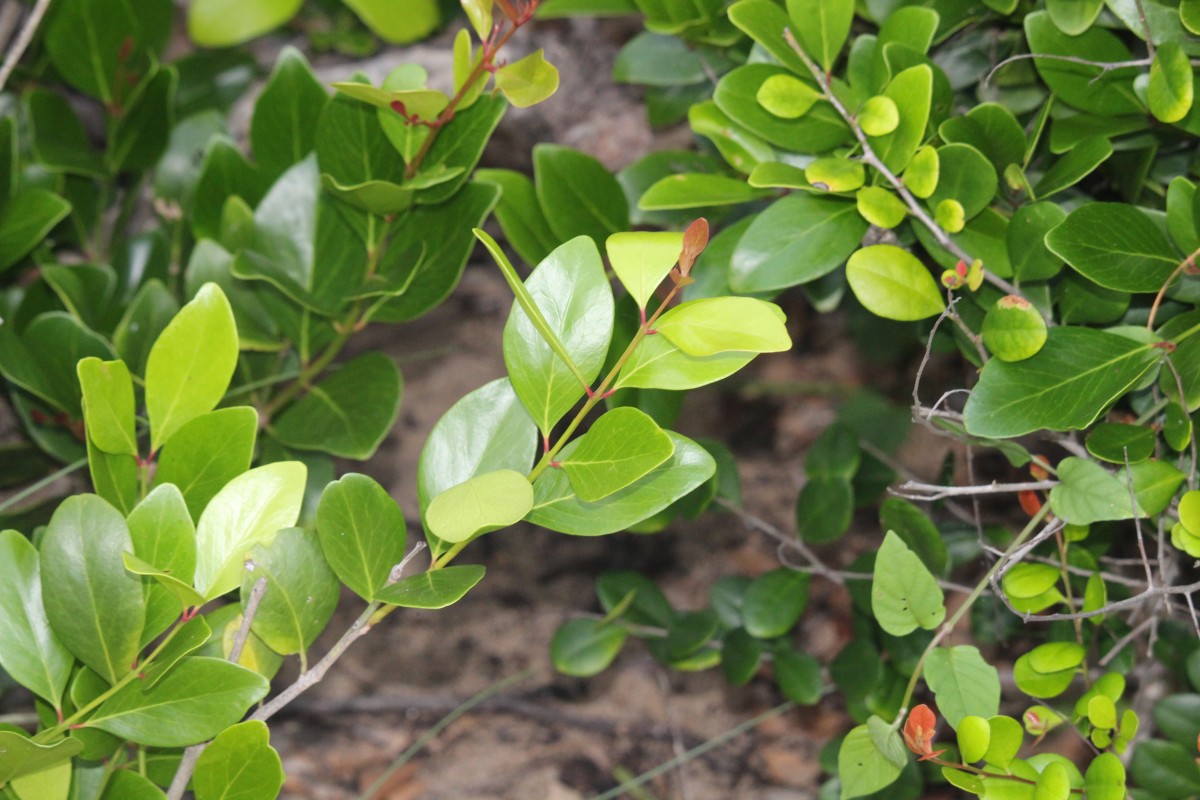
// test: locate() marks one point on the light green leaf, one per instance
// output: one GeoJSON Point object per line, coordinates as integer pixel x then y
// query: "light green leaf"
{"type": "Point", "coordinates": [249, 510]}
{"type": "Point", "coordinates": [923, 172]}
{"type": "Point", "coordinates": [194, 702]}
{"type": "Point", "coordinates": [301, 593]}
{"type": "Point", "coordinates": [892, 283]}
{"type": "Point", "coordinates": [221, 23]}
{"type": "Point", "coordinates": [879, 116]}
{"type": "Point", "coordinates": [656, 363]}
{"type": "Point", "coordinates": [362, 533]}
{"type": "Point", "coordinates": [821, 27]}
{"type": "Point", "coordinates": [1116, 246]}
{"type": "Point", "coordinates": [1076, 375]}
{"type": "Point", "coordinates": [528, 81]}
{"type": "Point", "coordinates": [108, 405]}
{"type": "Point", "coordinates": [963, 683]}
{"type": "Point", "coordinates": [1105, 778]}
{"type": "Point", "coordinates": [1013, 329]}
{"type": "Point", "coordinates": [642, 259]}
{"type": "Point", "coordinates": [880, 207]}
{"type": "Point", "coordinates": [1171, 86]}
{"type": "Point", "coordinates": [620, 447]}
{"type": "Point", "coordinates": [912, 91]}
{"type": "Point", "coordinates": [437, 589]}
{"type": "Point", "coordinates": [420, 19]}
{"type": "Point", "coordinates": [974, 737]}
{"type": "Point", "coordinates": [94, 606]}
{"type": "Point", "coordinates": [570, 291]}
{"type": "Point", "coordinates": [786, 96]}
{"type": "Point", "coordinates": [480, 504]}
{"type": "Point", "coordinates": [177, 585]}
{"type": "Point", "coordinates": [904, 595]}
{"type": "Point", "coordinates": [20, 755]}
{"type": "Point", "coordinates": [1088, 493]}
{"type": "Point", "coordinates": [835, 174]}
{"type": "Point", "coordinates": [556, 507]}
{"type": "Point", "coordinates": [29, 649]}
{"type": "Point", "coordinates": [208, 452]}
{"type": "Point", "coordinates": [697, 190]}
{"type": "Point", "coordinates": [191, 364]}
{"type": "Point", "coordinates": [479, 12]}
{"type": "Point", "coordinates": [715, 325]}
{"type": "Point", "coordinates": [239, 764]}
{"type": "Point", "coordinates": [862, 767]}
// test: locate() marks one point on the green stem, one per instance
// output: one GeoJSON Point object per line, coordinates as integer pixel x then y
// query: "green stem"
{"type": "Point", "coordinates": [964, 609]}
{"type": "Point", "coordinates": [311, 371]}
{"type": "Point", "coordinates": [33, 488]}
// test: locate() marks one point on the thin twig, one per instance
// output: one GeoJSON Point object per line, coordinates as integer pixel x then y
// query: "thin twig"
{"type": "Point", "coordinates": [1104, 66]}
{"type": "Point", "coordinates": [23, 39]}
{"type": "Point", "coordinates": [928, 492]}
{"type": "Point", "coordinates": [1118, 605]}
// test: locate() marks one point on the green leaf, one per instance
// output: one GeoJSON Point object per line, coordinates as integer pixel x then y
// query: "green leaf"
{"type": "Point", "coordinates": [284, 125]}
{"type": "Point", "coordinates": [1089, 493]}
{"type": "Point", "coordinates": [362, 533]}
{"type": "Point", "coordinates": [420, 19]}
{"type": "Point", "coordinates": [578, 195]}
{"type": "Point", "coordinates": [1154, 484]}
{"type": "Point", "coordinates": [879, 116]}
{"type": "Point", "coordinates": [185, 596]}
{"type": "Point", "coordinates": [481, 504]}
{"type": "Point", "coordinates": [880, 207]}
{"type": "Point", "coordinates": [570, 291]}
{"type": "Point", "coordinates": [1116, 246]}
{"type": "Point", "coordinates": [556, 507]}
{"type": "Point", "coordinates": [1025, 238]}
{"type": "Point", "coordinates": [164, 538]}
{"type": "Point", "coordinates": [1084, 87]}
{"type": "Point", "coordinates": [479, 12]}
{"type": "Point", "coordinates": [824, 508]}
{"type": "Point", "coordinates": [904, 595]}
{"type": "Point", "coordinates": [114, 477]}
{"type": "Point", "coordinates": [206, 453]}
{"type": "Point", "coordinates": [25, 220]}
{"type": "Point", "coordinates": [786, 96]}
{"type": "Point", "coordinates": [963, 683]}
{"type": "Point", "coordinates": [20, 755]}
{"type": "Point", "coordinates": [521, 217]}
{"type": "Point", "coordinates": [821, 27]}
{"type": "Point", "coordinates": [765, 22]}
{"type": "Point", "coordinates": [239, 764]}
{"type": "Point", "coordinates": [585, 647]}
{"type": "Point", "coordinates": [1076, 375]}
{"type": "Point", "coordinates": [1117, 443]}
{"type": "Point", "coordinates": [619, 448]}
{"type": "Point", "coordinates": [697, 190]}
{"type": "Point", "coordinates": [347, 414]}
{"type": "Point", "coordinates": [142, 132]}
{"type": "Point", "coordinates": [248, 510]}
{"type": "Point", "coordinates": [798, 676]}
{"type": "Point", "coordinates": [820, 130]}
{"type": "Point", "coordinates": [774, 602]}
{"type": "Point", "coordinates": [656, 363]}
{"type": "Point", "coordinates": [301, 593]}
{"type": "Point", "coordinates": [916, 530]}
{"type": "Point", "coordinates": [108, 405]}
{"type": "Point", "coordinates": [191, 364]}
{"type": "Point", "coordinates": [221, 23]}
{"type": "Point", "coordinates": [1005, 741]}
{"type": "Point", "coordinates": [862, 767]}
{"type": "Point", "coordinates": [94, 606]}
{"type": "Point", "coordinates": [58, 137]}
{"type": "Point", "coordinates": [528, 81]}
{"type": "Point", "coordinates": [437, 589]}
{"type": "Point", "coordinates": [714, 325]}
{"type": "Point", "coordinates": [189, 638]}
{"type": "Point", "coordinates": [950, 215]}
{"type": "Point", "coordinates": [1105, 777]}
{"type": "Point", "coordinates": [689, 632]}
{"type": "Point", "coordinates": [923, 172]}
{"type": "Point", "coordinates": [30, 651]}
{"type": "Point", "coordinates": [1079, 162]}
{"type": "Point", "coordinates": [893, 284]}
{"type": "Point", "coordinates": [224, 173]}
{"type": "Point", "coordinates": [741, 654]}
{"type": "Point", "coordinates": [642, 259]}
{"type": "Point", "coordinates": [966, 176]}
{"type": "Point", "coordinates": [194, 702]}
{"type": "Point", "coordinates": [911, 90]}
{"type": "Point", "coordinates": [1171, 87]}
{"type": "Point", "coordinates": [1013, 329]}
{"type": "Point", "coordinates": [86, 41]}
{"type": "Point", "coordinates": [1073, 17]}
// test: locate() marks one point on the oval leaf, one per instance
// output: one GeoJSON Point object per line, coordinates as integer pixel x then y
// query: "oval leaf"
{"type": "Point", "coordinates": [480, 504]}
{"type": "Point", "coordinates": [892, 283]}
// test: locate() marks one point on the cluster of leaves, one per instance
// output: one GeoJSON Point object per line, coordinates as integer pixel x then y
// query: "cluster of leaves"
{"type": "Point", "coordinates": [1052, 226]}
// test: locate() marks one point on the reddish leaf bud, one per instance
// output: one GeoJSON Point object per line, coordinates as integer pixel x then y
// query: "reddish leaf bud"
{"type": "Point", "coordinates": [1031, 504]}
{"type": "Point", "coordinates": [695, 239]}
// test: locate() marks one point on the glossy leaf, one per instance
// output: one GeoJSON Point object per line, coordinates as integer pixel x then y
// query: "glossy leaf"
{"type": "Point", "coordinates": [30, 651]}
{"type": "Point", "coordinates": [20, 755]}
{"type": "Point", "coordinates": [697, 190]}
{"type": "Point", "coordinates": [556, 507]}
{"type": "Point", "coordinates": [585, 647]}
{"type": "Point", "coordinates": [301, 593]}
{"type": "Point", "coordinates": [25, 220]}
{"type": "Point", "coordinates": [221, 23]}
{"type": "Point", "coordinates": [1013, 329]}
{"type": "Point", "coordinates": [821, 27]}
{"type": "Point", "coordinates": [715, 325]}
{"type": "Point", "coordinates": [94, 606]}
{"type": "Point", "coordinates": [1076, 375]}
{"type": "Point", "coordinates": [1119, 443]}
{"type": "Point", "coordinates": [483, 503]}
{"type": "Point", "coordinates": [347, 414]}
{"type": "Point", "coordinates": [916, 530]}
{"type": "Point", "coordinates": [786, 96]}
{"type": "Point", "coordinates": [108, 405]}
{"type": "Point", "coordinates": [619, 448]}
{"type": "Point", "coordinates": [190, 365]}
{"type": "Point", "coordinates": [880, 207]}
{"type": "Point", "coordinates": [248, 510]}
{"type": "Point", "coordinates": [520, 216]}
{"type": "Point", "coordinates": [163, 537]}
{"type": "Point", "coordinates": [1116, 246]}
{"type": "Point", "coordinates": [194, 702]}
{"type": "Point", "coordinates": [362, 533]}
{"type": "Point", "coordinates": [436, 589]}
{"type": "Point", "coordinates": [527, 81]}
{"type": "Point", "coordinates": [284, 125]}
{"type": "Point", "coordinates": [892, 283]}
{"type": "Point", "coordinates": [575, 300]}
{"type": "Point", "coordinates": [904, 595]}
{"type": "Point", "coordinates": [1025, 239]}
{"type": "Point", "coordinates": [642, 260]}
{"type": "Point", "coordinates": [1079, 85]}
{"type": "Point", "coordinates": [1079, 162]}
{"type": "Point", "coordinates": [656, 363]}
{"type": "Point", "coordinates": [206, 453]}
{"type": "Point", "coordinates": [911, 90]}
{"type": "Point", "coordinates": [579, 196]}
{"type": "Point", "coordinates": [86, 40]}
{"type": "Point", "coordinates": [1171, 88]}
{"type": "Point", "coordinates": [239, 764]}
{"type": "Point", "coordinates": [963, 683]}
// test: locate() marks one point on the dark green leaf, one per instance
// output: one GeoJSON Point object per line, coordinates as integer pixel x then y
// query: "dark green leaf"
{"type": "Point", "coordinates": [301, 592]}
{"type": "Point", "coordinates": [774, 602]}
{"type": "Point", "coordinates": [283, 129]}
{"type": "Point", "coordinates": [141, 134]}
{"type": "Point", "coordinates": [25, 220]}
{"type": "Point", "coordinates": [362, 532]}
{"type": "Point", "coordinates": [916, 530]}
{"type": "Point", "coordinates": [798, 676]}
{"type": "Point", "coordinates": [578, 195]}
{"type": "Point", "coordinates": [520, 215]}
{"type": "Point", "coordinates": [740, 656]}
{"type": "Point", "coordinates": [30, 651]}
{"type": "Point", "coordinates": [436, 589]}
{"type": "Point", "coordinates": [208, 452]}
{"type": "Point", "coordinates": [1082, 86]}
{"type": "Point", "coordinates": [585, 647]}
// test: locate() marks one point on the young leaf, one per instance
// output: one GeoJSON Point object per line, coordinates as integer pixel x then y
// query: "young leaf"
{"type": "Point", "coordinates": [963, 683]}
{"type": "Point", "coordinates": [194, 702]}
{"type": "Point", "coordinates": [893, 284]}
{"type": "Point", "coordinates": [786, 96]}
{"type": "Point", "coordinates": [437, 589]}
{"type": "Point", "coordinates": [1013, 329]}
{"type": "Point", "coordinates": [362, 532]}
{"type": "Point", "coordinates": [191, 364]}
{"type": "Point", "coordinates": [164, 537]}
{"type": "Point", "coordinates": [479, 12]}
{"type": "Point", "coordinates": [94, 606]}
{"type": "Point", "coordinates": [821, 27]}
{"type": "Point", "coordinates": [715, 325]}
{"type": "Point", "coordinates": [239, 763]}
{"type": "Point", "coordinates": [656, 363]}
{"type": "Point", "coordinates": [911, 90]}
{"type": "Point", "coordinates": [642, 259]}
{"type": "Point", "coordinates": [250, 509]}
{"type": "Point", "coordinates": [221, 23]}
{"type": "Point", "coordinates": [480, 504]}
{"type": "Point", "coordinates": [29, 649]}
{"type": "Point", "coordinates": [1171, 83]}
{"type": "Point", "coordinates": [108, 405]}
{"type": "Point", "coordinates": [528, 81]}
{"type": "Point", "coordinates": [301, 593]}
{"type": "Point", "coordinates": [619, 448]}
{"type": "Point", "coordinates": [904, 595]}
